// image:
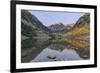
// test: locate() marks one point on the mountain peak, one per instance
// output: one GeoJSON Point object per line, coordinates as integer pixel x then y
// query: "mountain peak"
{"type": "Point", "coordinates": [56, 27]}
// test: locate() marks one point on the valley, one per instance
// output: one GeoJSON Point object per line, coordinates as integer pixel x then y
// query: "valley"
{"type": "Point", "coordinates": [37, 37]}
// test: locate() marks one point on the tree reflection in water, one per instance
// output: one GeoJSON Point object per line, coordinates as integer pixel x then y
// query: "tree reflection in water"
{"type": "Point", "coordinates": [53, 51]}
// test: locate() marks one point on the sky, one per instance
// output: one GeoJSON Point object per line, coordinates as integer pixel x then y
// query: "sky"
{"type": "Point", "coordinates": [50, 17]}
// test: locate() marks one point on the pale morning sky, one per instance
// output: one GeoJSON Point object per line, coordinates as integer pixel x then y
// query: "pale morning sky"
{"type": "Point", "coordinates": [48, 17]}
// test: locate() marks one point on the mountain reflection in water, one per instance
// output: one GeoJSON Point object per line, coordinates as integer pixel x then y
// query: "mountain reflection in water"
{"type": "Point", "coordinates": [55, 52]}
{"type": "Point", "coordinates": [53, 55]}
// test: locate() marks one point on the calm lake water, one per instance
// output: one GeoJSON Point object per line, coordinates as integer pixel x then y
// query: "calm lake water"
{"type": "Point", "coordinates": [60, 52]}
{"type": "Point", "coordinates": [49, 51]}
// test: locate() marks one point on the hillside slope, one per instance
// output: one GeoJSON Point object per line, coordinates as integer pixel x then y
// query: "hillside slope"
{"type": "Point", "coordinates": [30, 25]}
{"type": "Point", "coordinates": [79, 35]}
{"type": "Point", "coordinates": [82, 26]}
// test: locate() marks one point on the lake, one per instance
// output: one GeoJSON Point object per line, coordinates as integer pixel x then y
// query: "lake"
{"type": "Point", "coordinates": [48, 51]}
